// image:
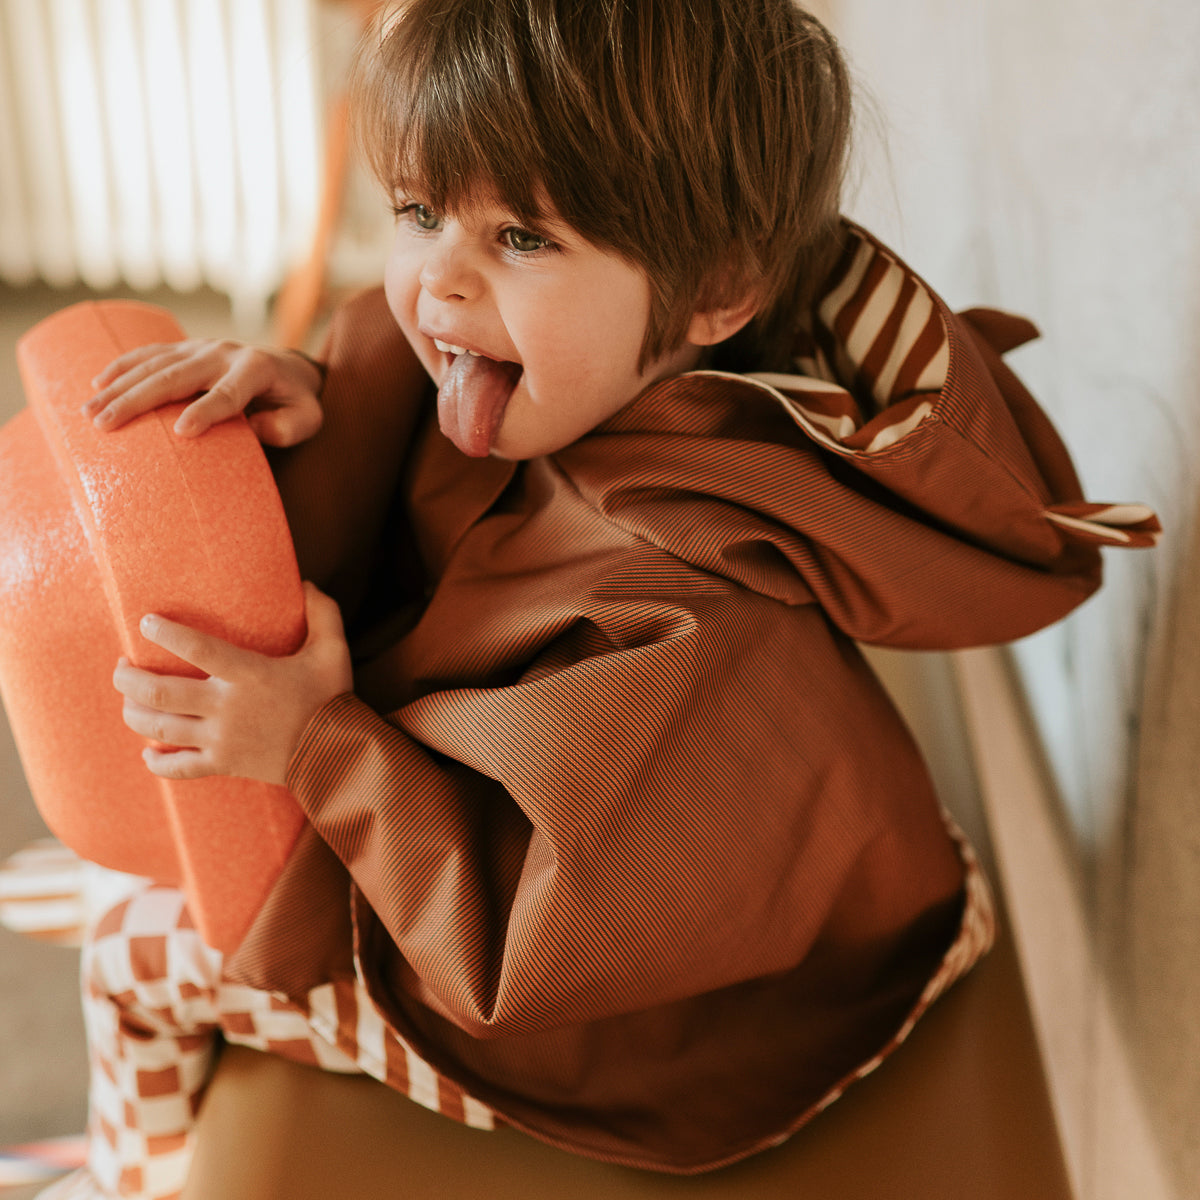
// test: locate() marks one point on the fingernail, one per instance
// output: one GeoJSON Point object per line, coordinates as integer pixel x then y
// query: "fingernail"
{"type": "Point", "coordinates": [148, 623]}
{"type": "Point", "coordinates": [103, 418]}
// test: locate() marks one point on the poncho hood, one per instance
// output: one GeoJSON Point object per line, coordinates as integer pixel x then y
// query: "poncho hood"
{"type": "Point", "coordinates": [900, 424]}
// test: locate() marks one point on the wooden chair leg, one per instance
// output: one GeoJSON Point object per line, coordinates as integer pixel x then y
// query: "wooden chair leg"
{"type": "Point", "coordinates": [299, 301]}
{"type": "Point", "coordinates": [300, 298]}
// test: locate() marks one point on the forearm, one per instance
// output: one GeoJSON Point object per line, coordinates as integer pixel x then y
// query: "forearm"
{"type": "Point", "coordinates": [436, 850]}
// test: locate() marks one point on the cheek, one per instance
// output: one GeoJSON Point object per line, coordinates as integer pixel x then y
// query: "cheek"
{"type": "Point", "coordinates": [396, 289]}
{"type": "Point", "coordinates": [615, 325]}
{"type": "Point", "coordinates": [402, 277]}
{"type": "Point", "coordinates": [402, 290]}
{"type": "Point", "coordinates": [629, 332]}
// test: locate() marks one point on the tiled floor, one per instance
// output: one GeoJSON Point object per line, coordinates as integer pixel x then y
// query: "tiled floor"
{"type": "Point", "coordinates": [41, 1037]}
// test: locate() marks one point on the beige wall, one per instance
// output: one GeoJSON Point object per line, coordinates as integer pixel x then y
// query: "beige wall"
{"type": "Point", "coordinates": [1045, 157]}
{"type": "Point", "coordinates": [1152, 934]}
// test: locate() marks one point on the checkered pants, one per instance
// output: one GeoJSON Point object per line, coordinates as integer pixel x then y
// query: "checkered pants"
{"type": "Point", "coordinates": [155, 1007]}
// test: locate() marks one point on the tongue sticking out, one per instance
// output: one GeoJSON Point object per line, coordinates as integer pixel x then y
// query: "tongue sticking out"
{"type": "Point", "coordinates": [472, 399]}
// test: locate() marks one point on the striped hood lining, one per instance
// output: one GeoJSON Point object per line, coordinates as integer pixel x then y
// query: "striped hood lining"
{"type": "Point", "coordinates": [875, 358]}
{"type": "Point", "coordinates": [876, 362]}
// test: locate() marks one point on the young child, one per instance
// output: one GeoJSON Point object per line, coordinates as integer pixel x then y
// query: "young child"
{"type": "Point", "coordinates": [614, 837]}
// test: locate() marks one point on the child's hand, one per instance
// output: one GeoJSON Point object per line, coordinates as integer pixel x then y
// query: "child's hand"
{"type": "Point", "coordinates": [246, 718]}
{"type": "Point", "coordinates": [277, 389]}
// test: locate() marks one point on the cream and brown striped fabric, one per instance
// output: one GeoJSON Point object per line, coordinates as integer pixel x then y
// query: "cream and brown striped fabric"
{"type": "Point", "coordinates": [42, 894]}
{"type": "Point", "coordinates": [49, 893]}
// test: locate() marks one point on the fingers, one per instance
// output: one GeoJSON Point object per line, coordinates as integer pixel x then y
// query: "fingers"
{"type": "Point", "coordinates": [246, 717]}
{"type": "Point", "coordinates": [129, 360]}
{"type": "Point", "coordinates": [177, 763]}
{"type": "Point", "coordinates": [323, 615]}
{"type": "Point", "coordinates": [153, 376]}
{"type": "Point", "coordinates": [278, 390]}
{"type": "Point", "coordinates": [325, 650]}
{"type": "Point", "coordinates": [224, 399]}
{"type": "Point", "coordinates": [169, 729]}
{"type": "Point", "coordinates": [161, 693]}
{"type": "Point", "coordinates": [168, 711]}
{"type": "Point", "coordinates": [226, 375]}
{"type": "Point", "coordinates": [208, 654]}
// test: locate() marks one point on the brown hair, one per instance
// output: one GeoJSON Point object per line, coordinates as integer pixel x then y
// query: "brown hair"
{"type": "Point", "coordinates": [702, 140]}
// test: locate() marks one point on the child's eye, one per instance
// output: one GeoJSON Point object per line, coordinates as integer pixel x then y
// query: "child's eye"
{"type": "Point", "coordinates": [422, 217]}
{"type": "Point", "coordinates": [426, 218]}
{"type": "Point", "coordinates": [525, 242]}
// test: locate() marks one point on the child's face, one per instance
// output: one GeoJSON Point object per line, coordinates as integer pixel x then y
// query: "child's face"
{"type": "Point", "coordinates": [560, 320]}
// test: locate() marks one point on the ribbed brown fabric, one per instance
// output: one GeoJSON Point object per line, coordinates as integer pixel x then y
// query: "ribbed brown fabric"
{"type": "Point", "coordinates": [640, 853]}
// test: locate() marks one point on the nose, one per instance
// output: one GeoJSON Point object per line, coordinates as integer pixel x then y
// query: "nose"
{"type": "Point", "coordinates": [448, 271]}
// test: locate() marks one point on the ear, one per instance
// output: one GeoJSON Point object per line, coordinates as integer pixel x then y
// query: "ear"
{"type": "Point", "coordinates": [712, 325]}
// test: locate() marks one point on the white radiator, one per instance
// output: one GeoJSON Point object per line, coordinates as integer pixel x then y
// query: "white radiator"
{"type": "Point", "coordinates": [158, 142]}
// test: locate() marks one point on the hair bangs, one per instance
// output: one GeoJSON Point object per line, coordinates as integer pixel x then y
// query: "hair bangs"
{"type": "Point", "coordinates": [441, 112]}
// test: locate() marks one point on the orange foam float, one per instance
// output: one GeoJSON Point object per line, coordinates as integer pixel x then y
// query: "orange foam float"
{"type": "Point", "coordinates": [97, 529]}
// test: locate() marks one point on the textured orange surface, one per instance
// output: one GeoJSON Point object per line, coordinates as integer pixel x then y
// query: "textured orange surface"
{"type": "Point", "coordinates": [97, 529]}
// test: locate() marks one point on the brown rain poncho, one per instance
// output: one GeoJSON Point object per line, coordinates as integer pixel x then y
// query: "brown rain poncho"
{"type": "Point", "coordinates": [639, 852]}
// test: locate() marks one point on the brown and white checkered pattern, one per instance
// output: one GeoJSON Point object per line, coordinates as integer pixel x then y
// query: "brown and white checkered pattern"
{"type": "Point", "coordinates": [154, 1003]}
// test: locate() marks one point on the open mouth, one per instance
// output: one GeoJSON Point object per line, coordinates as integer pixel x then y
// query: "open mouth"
{"type": "Point", "coordinates": [455, 351]}
{"type": "Point", "coordinates": [474, 393]}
